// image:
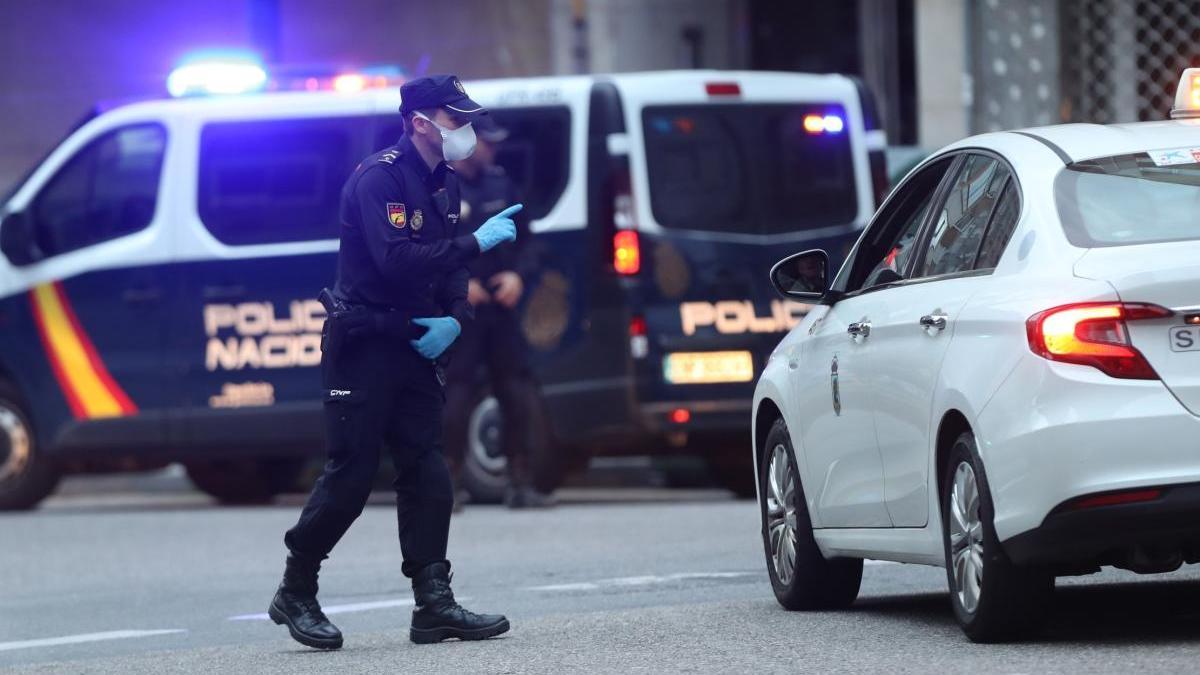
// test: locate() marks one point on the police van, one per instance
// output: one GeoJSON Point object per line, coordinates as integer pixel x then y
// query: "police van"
{"type": "Point", "coordinates": [160, 268]}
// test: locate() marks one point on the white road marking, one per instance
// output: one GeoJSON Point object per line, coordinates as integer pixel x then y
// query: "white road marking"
{"type": "Point", "coordinates": [339, 609]}
{"type": "Point", "coordinates": [620, 582]}
{"type": "Point", "coordinates": [85, 637]}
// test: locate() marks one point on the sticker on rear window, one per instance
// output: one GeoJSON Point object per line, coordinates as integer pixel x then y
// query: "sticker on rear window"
{"type": "Point", "coordinates": [1175, 156]}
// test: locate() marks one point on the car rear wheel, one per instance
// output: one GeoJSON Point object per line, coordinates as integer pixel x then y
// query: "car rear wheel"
{"type": "Point", "coordinates": [246, 481]}
{"type": "Point", "coordinates": [26, 475]}
{"type": "Point", "coordinates": [993, 599]}
{"type": "Point", "coordinates": [801, 576]}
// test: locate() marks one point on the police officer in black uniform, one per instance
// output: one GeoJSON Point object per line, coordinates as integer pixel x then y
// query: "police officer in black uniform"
{"type": "Point", "coordinates": [399, 302]}
{"type": "Point", "coordinates": [494, 339]}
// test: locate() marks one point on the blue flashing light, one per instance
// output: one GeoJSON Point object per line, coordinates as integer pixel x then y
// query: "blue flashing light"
{"type": "Point", "coordinates": [217, 74]}
{"type": "Point", "coordinates": [834, 124]}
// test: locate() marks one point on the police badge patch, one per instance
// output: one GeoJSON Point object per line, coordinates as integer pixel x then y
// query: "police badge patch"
{"type": "Point", "coordinates": [459, 87]}
{"type": "Point", "coordinates": [396, 215]}
{"type": "Point", "coordinates": [418, 220]}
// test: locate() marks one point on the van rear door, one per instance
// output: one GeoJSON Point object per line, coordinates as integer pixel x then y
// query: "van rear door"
{"type": "Point", "coordinates": [729, 173]}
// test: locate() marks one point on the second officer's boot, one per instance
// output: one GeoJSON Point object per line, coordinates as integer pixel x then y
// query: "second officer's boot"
{"type": "Point", "coordinates": [437, 616]}
{"type": "Point", "coordinates": [295, 606]}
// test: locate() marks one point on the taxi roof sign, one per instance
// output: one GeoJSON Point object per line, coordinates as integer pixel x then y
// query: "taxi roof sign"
{"type": "Point", "coordinates": [1187, 96]}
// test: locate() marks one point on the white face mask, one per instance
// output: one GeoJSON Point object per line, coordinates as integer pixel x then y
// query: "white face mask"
{"type": "Point", "coordinates": [457, 143]}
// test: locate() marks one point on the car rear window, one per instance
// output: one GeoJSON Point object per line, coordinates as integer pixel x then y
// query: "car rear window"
{"type": "Point", "coordinates": [1139, 198]}
{"type": "Point", "coordinates": [751, 169]}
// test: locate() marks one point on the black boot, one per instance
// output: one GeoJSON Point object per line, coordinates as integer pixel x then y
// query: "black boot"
{"type": "Point", "coordinates": [295, 606]}
{"type": "Point", "coordinates": [437, 616]}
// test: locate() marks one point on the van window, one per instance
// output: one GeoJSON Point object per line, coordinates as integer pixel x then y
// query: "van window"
{"type": "Point", "coordinates": [536, 154]}
{"type": "Point", "coordinates": [278, 180]}
{"type": "Point", "coordinates": [107, 190]}
{"type": "Point", "coordinates": [747, 168]}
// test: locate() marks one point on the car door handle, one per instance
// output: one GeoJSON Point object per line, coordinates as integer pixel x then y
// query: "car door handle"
{"type": "Point", "coordinates": [934, 321]}
{"type": "Point", "coordinates": [223, 292]}
{"type": "Point", "coordinates": [859, 329]}
{"type": "Point", "coordinates": [141, 296]}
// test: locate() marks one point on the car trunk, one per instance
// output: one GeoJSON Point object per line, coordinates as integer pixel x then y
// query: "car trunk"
{"type": "Point", "coordinates": [1166, 274]}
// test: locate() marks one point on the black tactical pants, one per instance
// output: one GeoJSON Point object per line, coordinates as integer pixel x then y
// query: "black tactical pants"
{"type": "Point", "coordinates": [493, 340]}
{"type": "Point", "coordinates": [380, 393]}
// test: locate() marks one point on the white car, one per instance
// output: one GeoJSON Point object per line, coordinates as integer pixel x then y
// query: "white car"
{"type": "Point", "coordinates": [1003, 379]}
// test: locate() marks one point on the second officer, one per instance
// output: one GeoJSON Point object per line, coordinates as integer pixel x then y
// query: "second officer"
{"type": "Point", "coordinates": [399, 302]}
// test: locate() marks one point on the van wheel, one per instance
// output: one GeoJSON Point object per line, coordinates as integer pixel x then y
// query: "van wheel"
{"type": "Point", "coordinates": [485, 468]}
{"type": "Point", "coordinates": [801, 576]}
{"type": "Point", "coordinates": [993, 599]}
{"type": "Point", "coordinates": [26, 475]}
{"type": "Point", "coordinates": [243, 481]}
{"type": "Point", "coordinates": [732, 467]}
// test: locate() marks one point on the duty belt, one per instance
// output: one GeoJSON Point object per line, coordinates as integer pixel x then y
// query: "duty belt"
{"type": "Point", "coordinates": [347, 321]}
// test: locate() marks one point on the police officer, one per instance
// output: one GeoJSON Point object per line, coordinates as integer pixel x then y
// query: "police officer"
{"type": "Point", "coordinates": [494, 339]}
{"type": "Point", "coordinates": [399, 302]}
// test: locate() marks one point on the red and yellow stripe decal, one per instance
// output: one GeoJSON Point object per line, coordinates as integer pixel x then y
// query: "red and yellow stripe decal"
{"type": "Point", "coordinates": [90, 390]}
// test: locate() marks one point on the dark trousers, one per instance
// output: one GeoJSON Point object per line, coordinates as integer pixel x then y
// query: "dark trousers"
{"type": "Point", "coordinates": [494, 341]}
{"type": "Point", "coordinates": [379, 392]}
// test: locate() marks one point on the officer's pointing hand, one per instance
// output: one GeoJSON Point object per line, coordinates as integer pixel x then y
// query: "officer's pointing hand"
{"type": "Point", "coordinates": [498, 229]}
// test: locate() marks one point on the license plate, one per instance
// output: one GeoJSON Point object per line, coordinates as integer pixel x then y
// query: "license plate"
{"type": "Point", "coordinates": [1185, 339]}
{"type": "Point", "coordinates": [708, 367]}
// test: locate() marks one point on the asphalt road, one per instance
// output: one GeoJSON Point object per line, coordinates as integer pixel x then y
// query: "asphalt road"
{"type": "Point", "coordinates": [641, 580]}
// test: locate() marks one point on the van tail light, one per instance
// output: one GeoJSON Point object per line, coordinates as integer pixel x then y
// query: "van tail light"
{"type": "Point", "coordinates": [1094, 334]}
{"type": "Point", "coordinates": [639, 343]}
{"type": "Point", "coordinates": [627, 255]}
{"type": "Point", "coordinates": [723, 89]}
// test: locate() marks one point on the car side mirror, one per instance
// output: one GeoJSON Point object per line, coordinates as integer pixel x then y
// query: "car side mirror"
{"type": "Point", "coordinates": [802, 276]}
{"type": "Point", "coordinates": [17, 240]}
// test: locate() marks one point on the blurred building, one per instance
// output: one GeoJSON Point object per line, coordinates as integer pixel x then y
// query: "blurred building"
{"type": "Point", "coordinates": [940, 69]}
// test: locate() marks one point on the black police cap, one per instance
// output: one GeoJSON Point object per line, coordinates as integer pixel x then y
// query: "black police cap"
{"type": "Point", "coordinates": [438, 91]}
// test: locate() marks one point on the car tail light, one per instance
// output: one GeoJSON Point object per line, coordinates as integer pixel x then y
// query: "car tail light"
{"type": "Point", "coordinates": [681, 416]}
{"type": "Point", "coordinates": [1094, 334]}
{"type": "Point", "coordinates": [627, 256]}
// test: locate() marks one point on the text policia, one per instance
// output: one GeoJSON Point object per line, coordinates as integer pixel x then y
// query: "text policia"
{"type": "Point", "coordinates": [253, 335]}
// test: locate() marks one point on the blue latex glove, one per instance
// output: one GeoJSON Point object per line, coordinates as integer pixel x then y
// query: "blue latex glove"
{"type": "Point", "coordinates": [498, 229]}
{"type": "Point", "coordinates": [443, 331]}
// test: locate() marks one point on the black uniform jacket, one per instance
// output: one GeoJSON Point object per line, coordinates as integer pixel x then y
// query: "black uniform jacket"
{"type": "Point", "coordinates": [489, 193]}
{"type": "Point", "coordinates": [402, 246]}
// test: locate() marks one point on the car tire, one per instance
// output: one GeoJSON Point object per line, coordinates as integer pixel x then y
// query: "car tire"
{"type": "Point", "coordinates": [993, 599]}
{"type": "Point", "coordinates": [27, 475]}
{"type": "Point", "coordinates": [801, 576]}
{"type": "Point", "coordinates": [246, 481]}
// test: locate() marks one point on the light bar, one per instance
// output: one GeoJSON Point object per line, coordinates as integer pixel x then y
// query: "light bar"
{"type": "Point", "coordinates": [227, 75]}
{"type": "Point", "coordinates": [1187, 96]}
{"type": "Point", "coordinates": [824, 124]}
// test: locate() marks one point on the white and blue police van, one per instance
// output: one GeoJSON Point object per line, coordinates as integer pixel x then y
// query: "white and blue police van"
{"type": "Point", "coordinates": [160, 268]}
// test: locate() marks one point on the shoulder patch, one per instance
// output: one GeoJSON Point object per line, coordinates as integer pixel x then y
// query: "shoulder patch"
{"type": "Point", "coordinates": [388, 157]}
{"type": "Point", "coordinates": [396, 215]}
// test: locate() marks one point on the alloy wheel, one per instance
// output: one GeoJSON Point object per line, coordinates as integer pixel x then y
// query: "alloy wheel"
{"type": "Point", "coordinates": [781, 513]}
{"type": "Point", "coordinates": [966, 537]}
